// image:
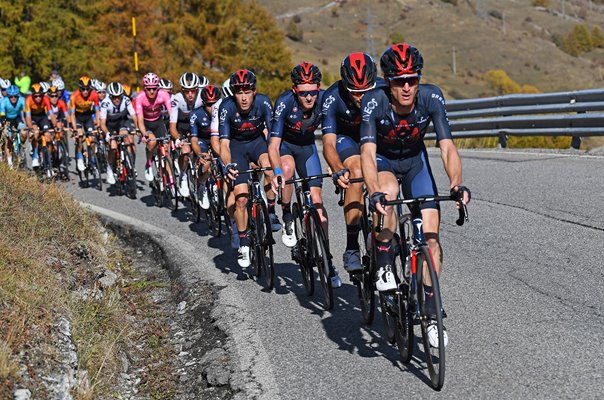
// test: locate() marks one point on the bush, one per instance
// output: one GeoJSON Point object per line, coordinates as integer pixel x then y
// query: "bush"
{"type": "Point", "coordinates": [502, 84]}
{"type": "Point", "coordinates": [396, 37]}
{"type": "Point", "coordinates": [541, 3]}
{"type": "Point", "coordinates": [294, 32]}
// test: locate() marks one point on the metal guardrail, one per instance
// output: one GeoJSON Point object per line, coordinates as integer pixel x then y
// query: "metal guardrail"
{"type": "Point", "coordinates": [576, 114]}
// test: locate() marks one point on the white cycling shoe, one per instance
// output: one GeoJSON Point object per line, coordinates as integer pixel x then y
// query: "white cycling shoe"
{"type": "Point", "coordinates": [110, 176]}
{"type": "Point", "coordinates": [385, 279]}
{"type": "Point", "coordinates": [244, 257]}
{"type": "Point", "coordinates": [433, 334]}
{"type": "Point", "coordinates": [183, 188]}
{"type": "Point", "coordinates": [289, 235]}
{"type": "Point", "coordinates": [149, 174]}
{"type": "Point", "coordinates": [352, 261]}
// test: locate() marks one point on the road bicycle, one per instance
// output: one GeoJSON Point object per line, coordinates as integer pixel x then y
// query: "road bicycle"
{"type": "Point", "coordinates": [364, 280]}
{"type": "Point", "coordinates": [216, 191]}
{"type": "Point", "coordinates": [124, 170]}
{"type": "Point", "coordinates": [11, 137]}
{"type": "Point", "coordinates": [312, 246]}
{"type": "Point", "coordinates": [91, 171]}
{"type": "Point", "coordinates": [261, 234]}
{"type": "Point", "coordinates": [163, 184]}
{"type": "Point", "coordinates": [406, 305]}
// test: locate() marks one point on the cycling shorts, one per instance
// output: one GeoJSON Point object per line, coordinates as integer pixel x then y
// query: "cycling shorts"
{"type": "Point", "coordinates": [16, 123]}
{"type": "Point", "coordinates": [119, 125]}
{"type": "Point", "coordinates": [183, 128]}
{"type": "Point", "coordinates": [417, 179]}
{"type": "Point", "coordinates": [157, 127]}
{"type": "Point", "coordinates": [306, 159]}
{"type": "Point", "coordinates": [346, 147]}
{"type": "Point", "coordinates": [244, 152]}
{"type": "Point", "coordinates": [85, 122]}
{"type": "Point", "coordinates": [41, 121]}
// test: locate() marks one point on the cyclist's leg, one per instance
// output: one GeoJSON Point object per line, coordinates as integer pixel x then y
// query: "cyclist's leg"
{"type": "Point", "coordinates": [240, 156]}
{"type": "Point", "coordinates": [288, 166]}
{"type": "Point", "coordinates": [258, 152]}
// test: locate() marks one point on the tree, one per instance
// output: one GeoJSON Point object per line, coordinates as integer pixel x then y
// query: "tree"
{"type": "Point", "coordinates": [583, 38]}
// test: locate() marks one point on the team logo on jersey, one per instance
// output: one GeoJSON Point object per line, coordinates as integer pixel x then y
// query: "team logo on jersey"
{"type": "Point", "coordinates": [223, 114]}
{"type": "Point", "coordinates": [328, 101]}
{"type": "Point", "coordinates": [279, 109]}
{"type": "Point", "coordinates": [295, 109]}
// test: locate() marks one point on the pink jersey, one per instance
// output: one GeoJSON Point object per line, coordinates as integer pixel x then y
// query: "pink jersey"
{"type": "Point", "coordinates": [152, 111]}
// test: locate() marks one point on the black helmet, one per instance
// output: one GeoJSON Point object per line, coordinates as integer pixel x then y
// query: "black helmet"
{"type": "Point", "coordinates": [401, 59]}
{"type": "Point", "coordinates": [358, 72]}
{"type": "Point", "coordinates": [242, 79]}
{"type": "Point", "coordinates": [210, 94]}
{"type": "Point", "coordinates": [306, 73]}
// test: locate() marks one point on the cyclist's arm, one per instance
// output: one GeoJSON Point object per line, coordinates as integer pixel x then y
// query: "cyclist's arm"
{"type": "Point", "coordinates": [103, 122]}
{"type": "Point", "coordinates": [329, 152]}
{"type": "Point", "coordinates": [195, 145]}
{"type": "Point", "coordinates": [141, 123]}
{"type": "Point", "coordinates": [215, 144]}
{"type": "Point", "coordinates": [174, 131]}
{"type": "Point", "coordinates": [451, 161]}
{"type": "Point", "coordinates": [225, 151]}
{"type": "Point", "coordinates": [369, 167]}
{"type": "Point", "coordinates": [273, 152]}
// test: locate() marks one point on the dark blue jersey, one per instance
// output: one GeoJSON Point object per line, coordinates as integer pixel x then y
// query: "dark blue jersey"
{"type": "Point", "coordinates": [235, 126]}
{"type": "Point", "coordinates": [200, 122]}
{"type": "Point", "coordinates": [291, 124]}
{"type": "Point", "coordinates": [401, 136]}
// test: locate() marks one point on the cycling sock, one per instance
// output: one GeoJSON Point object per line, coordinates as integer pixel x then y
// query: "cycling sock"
{"type": "Point", "coordinates": [382, 255]}
{"type": "Point", "coordinates": [244, 239]}
{"type": "Point", "coordinates": [352, 237]}
{"type": "Point", "coordinates": [286, 208]}
{"type": "Point", "coordinates": [271, 206]}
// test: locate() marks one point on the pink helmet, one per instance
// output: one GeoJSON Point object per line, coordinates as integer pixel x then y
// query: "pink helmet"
{"type": "Point", "coordinates": [150, 80]}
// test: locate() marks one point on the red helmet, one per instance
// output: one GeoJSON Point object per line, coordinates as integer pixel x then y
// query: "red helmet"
{"type": "Point", "coordinates": [243, 79]}
{"type": "Point", "coordinates": [358, 72]}
{"type": "Point", "coordinates": [210, 94]}
{"type": "Point", "coordinates": [306, 73]}
{"type": "Point", "coordinates": [401, 59]}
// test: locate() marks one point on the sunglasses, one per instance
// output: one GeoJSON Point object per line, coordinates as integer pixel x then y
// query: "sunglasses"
{"type": "Point", "coordinates": [101, 92]}
{"type": "Point", "coordinates": [151, 89]}
{"type": "Point", "coordinates": [37, 96]}
{"type": "Point", "coordinates": [305, 93]}
{"type": "Point", "coordinates": [116, 97]}
{"type": "Point", "coordinates": [189, 91]}
{"type": "Point", "coordinates": [402, 80]}
{"type": "Point", "coordinates": [84, 89]}
{"type": "Point", "coordinates": [12, 97]}
{"type": "Point", "coordinates": [53, 96]}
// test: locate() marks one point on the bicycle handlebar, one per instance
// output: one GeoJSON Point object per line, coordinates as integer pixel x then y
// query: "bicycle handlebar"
{"type": "Point", "coordinates": [296, 180]}
{"type": "Point", "coordinates": [342, 191]}
{"type": "Point", "coordinates": [463, 210]}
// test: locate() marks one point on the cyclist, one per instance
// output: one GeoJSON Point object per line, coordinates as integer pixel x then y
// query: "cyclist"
{"type": "Point", "coordinates": [59, 108]}
{"type": "Point", "coordinates": [341, 122]}
{"type": "Point", "coordinates": [202, 137]}
{"type": "Point", "coordinates": [101, 90]}
{"type": "Point", "coordinates": [244, 124]}
{"type": "Point", "coordinates": [203, 81]}
{"type": "Point", "coordinates": [182, 105]}
{"type": "Point", "coordinates": [37, 113]}
{"type": "Point", "coordinates": [4, 85]}
{"type": "Point", "coordinates": [149, 103]}
{"type": "Point", "coordinates": [63, 94]}
{"type": "Point", "coordinates": [292, 145]}
{"type": "Point", "coordinates": [11, 113]}
{"type": "Point", "coordinates": [84, 103]}
{"type": "Point", "coordinates": [395, 120]}
{"type": "Point", "coordinates": [115, 116]}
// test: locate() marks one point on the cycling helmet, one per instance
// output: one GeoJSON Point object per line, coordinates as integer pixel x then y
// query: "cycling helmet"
{"type": "Point", "coordinates": [401, 59]}
{"type": "Point", "coordinates": [358, 72]}
{"type": "Point", "coordinates": [4, 84]}
{"type": "Point", "coordinates": [242, 79]}
{"type": "Point", "coordinates": [165, 84]}
{"type": "Point", "coordinates": [115, 89]}
{"type": "Point", "coordinates": [94, 82]}
{"type": "Point", "coordinates": [305, 73]}
{"type": "Point", "coordinates": [226, 88]}
{"type": "Point", "coordinates": [53, 90]}
{"type": "Point", "coordinates": [127, 89]}
{"type": "Point", "coordinates": [150, 80]}
{"type": "Point", "coordinates": [12, 90]}
{"type": "Point", "coordinates": [189, 80]}
{"type": "Point", "coordinates": [100, 86]}
{"type": "Point", "coordinates": [59, 84]}
{"type": "Point", "coordinates": [203, 81]}
{"type": "Point", "coordinates": [210, 95]}
{"type": "Point", "coordinates": [85, 82]}
{"type": "Point", "coordinates": [45, 86]}
{"type": "Point", "coordinates": [36, 88]}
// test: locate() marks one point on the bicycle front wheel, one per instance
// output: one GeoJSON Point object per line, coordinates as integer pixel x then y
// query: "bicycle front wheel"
{"type": "Point", "coordinates": [300, 252]}
{"type": "Point", "coordinates": [431, 319]}
{"type": "Point", "coordinates": [320, 256]}
{"type": "Point", "coordinates": [265, 238]}
{"type": "Point", "coordinates": [130, 176]}
{"type": "Point", "coordinates": [192, 181]}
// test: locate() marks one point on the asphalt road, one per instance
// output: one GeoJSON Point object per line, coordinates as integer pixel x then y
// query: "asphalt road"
{"type": "Point", "coordinates": [523, 288]}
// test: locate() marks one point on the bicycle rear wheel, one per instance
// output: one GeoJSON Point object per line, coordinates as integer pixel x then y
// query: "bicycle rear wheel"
{"type": "Point", "coordinates": [63, 162]}
{"type": "Point", "coordinates": [192, 181]}
{"type": "Point", "coordinates": [435, 356]}
{"type": "Point", "coordinates": [320, 256]}
{"type": "Point", "coordinates": [265, 239]}
{"type": "Point", "coordinates": [130, 175]}
{"type": "Point", "coordinates": [300, 251]}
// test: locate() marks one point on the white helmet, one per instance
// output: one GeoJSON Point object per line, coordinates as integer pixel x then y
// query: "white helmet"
{"type": "Point", "coordinates": [115, 89]}
{"type": "Point", "coordinates": [59, 84]}
{"type": "Point", "coordinates": [45, 86]}
{"type": "Point", "coordinates": [226, 88]}
{"type": "Point", "coordinates": [203, 81]}
{"type": "Point", "coordinates": [189, 80]}
{"type": "Point", "coordinates": [165, 84]}
{"type": "Point", "coordinates": [100, 86]}
{"type": "Point", "coordinates": [4, 83]}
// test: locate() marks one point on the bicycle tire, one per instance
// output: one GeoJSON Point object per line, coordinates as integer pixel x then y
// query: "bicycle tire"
{"type": "Point", "coordinates": [63, 164]}
{"type": "Point", "coordinates": [170, 188]}
{"type": "Point", "coordinates": [435, 357]}
{"type": "Point", "coordinates": [158, 183]}
{"type": "Point", "coordinates": [255, 246]}
{"type": "Point", "coordinates": [365, 281]}
{"type": "Point", "coordinates": [320, 257]}
{"type": "Point", "coordinates": [213, 196]}
{"type": "Point", "coordinates": [264, 235]}
{"type": "Point", "coordinates": [301, 248]}
{"type": "Point", "coordinates": [192, 181]}
{"type": "Point", "coordinates": [404, 334]}
{"type": "Point", "coordinates": [130, 175]}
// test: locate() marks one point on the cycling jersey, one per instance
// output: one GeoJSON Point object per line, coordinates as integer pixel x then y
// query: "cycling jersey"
{"type": "Point", "coordinates": [234, 126]}
{"type": "Point", "coordinates": [60, 109]}
{"type": "Point", "coordinates": [289, 122]}
{"type": "Point", "coordinates": [33, 108]}
{"type": "Point", "coordinates": [401, 136]}
{"type": "Point", "coordinates": [10, 110]}
{"type": "Point", "coordinates": [340, 113]}
{"type": "Point", "coordinates": [81, 106]}
{"type": "Point", "coordinates": [200, 124]}
{"type": "Point", "coordinates": [152, 111]}
{"type": "Point", "coordinates": [112, 113]}
{"type": "Point", "coordinates": [215, 119]}
{"type": "Point", "coordinates": [65, 96]}
{"type": "Point", "coordinates": [181, 109]}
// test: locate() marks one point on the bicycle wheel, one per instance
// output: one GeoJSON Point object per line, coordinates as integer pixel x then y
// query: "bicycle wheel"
{"type": "Point", "coordinates": [170, 186]}
{"type": "Point", "coordinates": [192, 181]}
{"type": "Point", "coordinates": [320, 256]}
{"type": "Point", "coordinates": [300, 251]}
{"type": "Point", "coordinates": [435, 356]}
{"type": "Point", "coordinates": [158, 183]}
{"type": "Point", "coordinates": [404, 335]}
{"type": "Point", "coordinates": [130, 175]}
{"type": "Point", "coordinates": [265, 237]}
{"type": "Point", "coordinates": [255, 246]}
{"type": "Point", "coordinates": [63, 163]}
{"type": "Point", "coordinates": [364, 281]}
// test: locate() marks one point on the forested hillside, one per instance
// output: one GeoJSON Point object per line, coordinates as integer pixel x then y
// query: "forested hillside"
{"type": "Point", "coordinates": [212, 37]}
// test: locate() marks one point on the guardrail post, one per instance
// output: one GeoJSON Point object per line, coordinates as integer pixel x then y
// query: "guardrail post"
{"type": "Point", "coordinates": [503, 141]}
{"type": "Point", "coordinates": [576, 142]}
